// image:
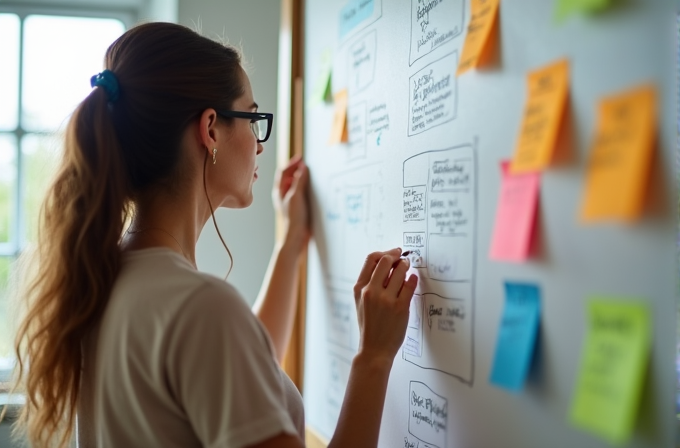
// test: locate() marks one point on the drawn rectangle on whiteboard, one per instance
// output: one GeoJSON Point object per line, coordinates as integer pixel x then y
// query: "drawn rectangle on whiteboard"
{"type": "Point", "coordinates": [356, 202]}
{"type": "Point", "coordinates": [356, 121]}
{"type": "Point", "coordinates": [414, 330]}
{"type": "Point", "coordinates": [338, 376]}
{"type": "Point", "coordinates": [339, 321]}
{"type": "Point", "coordinates": [361, 58]}
{"type": "Point", "coordinates": [428, 415]}
{"type": "Point", "coordinates": [448, 174]}
{"type": "Point", "coordinates": [434, 23]}
{"type": "Point", "coordinates": [447, 323]}
{"type": "Point", "coordinates": [433, 95]}
{"type": "Point", "coordinates": [415, 242]}
{"type": "Point", "coordinates": [445, 328]}
{"type": "Point", "coordinates": [448, 257]}
{"type": "Point", "coordinates": [413, 200]}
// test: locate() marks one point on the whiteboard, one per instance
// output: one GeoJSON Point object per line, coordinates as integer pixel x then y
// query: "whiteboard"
{"type": "Point", "coordinates": [421, 171]}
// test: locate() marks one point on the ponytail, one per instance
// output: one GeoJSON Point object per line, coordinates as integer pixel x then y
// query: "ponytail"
{"type": "Point", "coordinates": [81, 222]}
{"type": "Point", "coordinates": [113, 153]}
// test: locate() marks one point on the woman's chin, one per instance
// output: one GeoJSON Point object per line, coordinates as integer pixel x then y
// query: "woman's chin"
{"type": "Point", "coordinates": [240, 202]}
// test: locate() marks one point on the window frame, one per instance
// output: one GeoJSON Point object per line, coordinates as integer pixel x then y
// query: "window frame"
{"type": "Point", "coordinates": [18, 238]}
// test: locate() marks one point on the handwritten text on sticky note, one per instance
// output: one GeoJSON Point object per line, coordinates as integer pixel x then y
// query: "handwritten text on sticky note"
{"type": "Point", "coordinates": [482, 21]}
{"type": "Point", "coordinates": [515, 215]}
{"type": "Point", "coordinates": [516, 336]}
{"type": "Point", "coordinates": [612, 369]}
{"type": "Point", "coordinates": [339, 128]}
{"type": "Point", "coordinates": [547, 93]}
{"type": "Point", "coordinates": [621, 156]}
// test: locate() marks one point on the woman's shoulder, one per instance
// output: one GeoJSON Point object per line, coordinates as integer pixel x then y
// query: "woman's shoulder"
{"type": "Point", "coordinates": [159, 284]}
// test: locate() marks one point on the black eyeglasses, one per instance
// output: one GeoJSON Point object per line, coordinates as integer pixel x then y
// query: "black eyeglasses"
{"type": "Point", "coordinates": [260, 132]}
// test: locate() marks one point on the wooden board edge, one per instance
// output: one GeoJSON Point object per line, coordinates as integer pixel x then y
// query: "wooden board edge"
{"type": "Point", "coordinates": [290, 143]}
{"type": "Point", "coordinates": [313, 439]}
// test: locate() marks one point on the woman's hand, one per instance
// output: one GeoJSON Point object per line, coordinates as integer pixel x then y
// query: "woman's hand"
{"type": "Point", "coordinates": [290, 199]}
{"type": "Point", "coordinates": [383, 297]}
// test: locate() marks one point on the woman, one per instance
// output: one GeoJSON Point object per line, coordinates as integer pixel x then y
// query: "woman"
{"type": "Point", "coordinates": [121, 328]}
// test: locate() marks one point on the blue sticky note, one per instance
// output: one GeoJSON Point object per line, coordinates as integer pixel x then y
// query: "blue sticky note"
{"type": "Point", "coordinates": [517, 336]}
{"type": "Point", "coordinates": [354, 12]}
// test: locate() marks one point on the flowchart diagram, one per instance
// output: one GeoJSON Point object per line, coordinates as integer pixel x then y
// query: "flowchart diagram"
{"type": "Point", "coordinates": [439, 220]}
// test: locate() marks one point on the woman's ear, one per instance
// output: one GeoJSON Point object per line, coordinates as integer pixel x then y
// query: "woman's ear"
{"type": "Point", "coordinates": [207, 129]}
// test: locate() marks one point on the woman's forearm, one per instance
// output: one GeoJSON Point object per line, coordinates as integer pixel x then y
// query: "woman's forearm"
{"type": "Point", "coordinates": [362, 408]}
{"type": "Point", "coordinates": [276, 303]}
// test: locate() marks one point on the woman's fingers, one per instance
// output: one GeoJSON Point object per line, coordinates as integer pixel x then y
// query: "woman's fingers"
{"type": "Point", "coordinates": [300, 178]}
{"type": "Point", "coordinates": [382, 270]}
{"type": "Point", "coordinates": [368, 269]}
{"type": "Point", "coordinates": [286, 176]}
{"type": "Point", "coordinates": [396, 280]}
{"type": "Point", "coordinates": [408, 288]}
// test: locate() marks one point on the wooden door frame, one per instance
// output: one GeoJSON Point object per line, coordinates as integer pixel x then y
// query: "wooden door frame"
{"type": "Point", "coordinates": [290, 128]}
{"type": "Point", "coordinates": [289, 143]}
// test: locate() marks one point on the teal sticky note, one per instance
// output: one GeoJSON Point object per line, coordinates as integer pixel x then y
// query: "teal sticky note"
{"type": "Point", "coordinates": [354, 12]}
{"type": "Point", "coordinates": [516, 336]}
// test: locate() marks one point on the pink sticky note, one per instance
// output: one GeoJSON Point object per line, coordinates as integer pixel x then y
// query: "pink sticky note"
{"type": "Point", "coordinates": [515, 215]}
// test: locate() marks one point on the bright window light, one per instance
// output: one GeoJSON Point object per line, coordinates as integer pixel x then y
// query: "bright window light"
{"type": "Point", "coordinates": [60, 56]}
{"type": "Point", "coordinates": [9, 71]}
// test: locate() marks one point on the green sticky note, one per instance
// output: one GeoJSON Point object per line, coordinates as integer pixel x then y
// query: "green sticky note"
{"type": "Point", "coordinates": [612, 368]}
{"type": "Point", "coordinates": [568, 7]}
{"type": "Point", "coordinates": [322, 87]}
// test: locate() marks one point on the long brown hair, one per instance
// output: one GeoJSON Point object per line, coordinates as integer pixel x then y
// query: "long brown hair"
{"type": "Point", "coordinates": [113, 151]}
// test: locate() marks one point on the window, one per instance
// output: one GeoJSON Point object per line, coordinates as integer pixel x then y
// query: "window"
{"type": "Point", "coordinates": [46, 62]}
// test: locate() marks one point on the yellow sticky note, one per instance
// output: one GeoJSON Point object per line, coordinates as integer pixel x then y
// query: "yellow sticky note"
{"type": "Point", "coordinates": [612, 368]}
{"type": "Point", "coordinates": [339, 128]}
{"type": "Point", "coordinates": [548, 88]}
{"type": "Point", "coordinates": [482, 21]}
{"type": "Point", "coordinates": [621, 156]}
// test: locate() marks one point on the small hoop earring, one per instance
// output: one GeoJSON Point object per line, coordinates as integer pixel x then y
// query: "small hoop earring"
{"type": "Point", "coordinates": [214, 156]}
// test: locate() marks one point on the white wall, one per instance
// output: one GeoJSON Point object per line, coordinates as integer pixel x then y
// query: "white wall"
{"type": "Point", "coordinates": [159, 10]}
{"type": "Point", "coordinates": [252, 25]}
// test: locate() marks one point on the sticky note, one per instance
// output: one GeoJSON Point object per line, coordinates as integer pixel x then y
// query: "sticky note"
{"type": "Point", "coordinates": [568, 7]}
{"type": "Point", "coordinates": [322, 87]}
{"type": "Point", "coordinates": [621, 156]}
{"type": "Point", "coordinates": [339, 128]}
{"type": "Point", "coordinates": [612, 368]}
{"type": "Point", "coordinates": [353, 13]}
{"type": "Point", "coordinates": [547, 92]}
{"type": "Point", "coordinates": [482, 21]}
{"type": "Point", "coordinates": [516, 336]}
{"type": "Point", "coordinates": [515, 215]}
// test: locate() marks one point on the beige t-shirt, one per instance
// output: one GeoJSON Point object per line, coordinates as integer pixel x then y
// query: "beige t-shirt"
{"type": "Point", "coordinates": [179, 360]}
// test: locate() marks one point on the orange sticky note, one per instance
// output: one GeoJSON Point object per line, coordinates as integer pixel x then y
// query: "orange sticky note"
{"type": "Point", "coordinates": [548, 88]}
{"type": "Point", "coordinates": [515, 215]}
{"type": "Point", "coordinates": [621, 156]}
{"type": "Point", "coordinates": [339, 129]}
{"type": "Point", "coordinates": [482, 21]}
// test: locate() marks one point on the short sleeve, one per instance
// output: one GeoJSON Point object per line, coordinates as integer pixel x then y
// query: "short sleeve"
{"type": "Point", "coordinates": [222, 372]}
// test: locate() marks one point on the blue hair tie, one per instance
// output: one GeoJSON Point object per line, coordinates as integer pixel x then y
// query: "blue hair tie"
{"type": "Point", "coordinates": [107, 81]}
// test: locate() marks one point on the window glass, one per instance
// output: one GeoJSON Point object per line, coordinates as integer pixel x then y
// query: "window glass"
{"type": "Point", "coordinates": [6, 352]}
{"type": "Point", "coordinates": [60, 56]}
{"type": "Point", "coordinates": [40, 157]}
{"type": "Point", "coordinates": [9, 75]}
{"type": "Point", "coordinates": [8, 186]}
